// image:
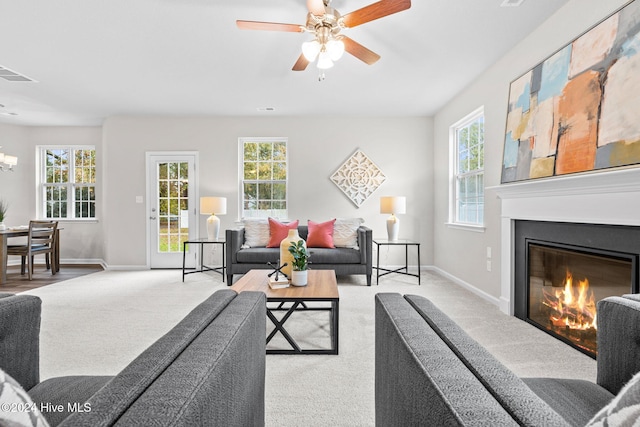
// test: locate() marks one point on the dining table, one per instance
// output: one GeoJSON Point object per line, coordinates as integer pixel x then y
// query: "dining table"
{"type": "Point", "coordinates": [23, 231]}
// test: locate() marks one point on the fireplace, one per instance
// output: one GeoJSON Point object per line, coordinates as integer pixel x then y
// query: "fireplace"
{"type": "Point", "coordinates": [563, 269]}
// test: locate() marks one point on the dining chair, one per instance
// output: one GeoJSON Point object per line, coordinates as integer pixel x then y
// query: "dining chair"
{"type": "Point", "coordinates": [40, 241]}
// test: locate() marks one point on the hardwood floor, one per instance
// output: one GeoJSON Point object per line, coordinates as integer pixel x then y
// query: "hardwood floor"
{"type": "Point", "coordinates": [43, 277]}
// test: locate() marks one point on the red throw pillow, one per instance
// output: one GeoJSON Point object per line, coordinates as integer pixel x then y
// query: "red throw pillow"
{"type": "Point", "coordinates": [320, 234]}
{"type": "Point", "coordinates": [278, 231]}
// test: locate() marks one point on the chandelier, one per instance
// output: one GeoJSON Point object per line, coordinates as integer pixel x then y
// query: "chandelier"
{"type": "Point", "coordinates": [7, 161]}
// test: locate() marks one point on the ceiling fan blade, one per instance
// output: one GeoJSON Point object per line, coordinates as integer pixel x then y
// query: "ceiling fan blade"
{"type": "Point", "coordinates": [359, 51]}
{"type": "Point", "coordinates": [375, 11]}
{"type": "Point", "coordinates": [316, 7]}
{"type": "Point", "coordinates": [269, 26]}
{"type": "Point", "coordinates": [301, 63]}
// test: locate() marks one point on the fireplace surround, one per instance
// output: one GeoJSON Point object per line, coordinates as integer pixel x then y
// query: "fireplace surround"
{"type": "Point", "coordinates": [561, 270]}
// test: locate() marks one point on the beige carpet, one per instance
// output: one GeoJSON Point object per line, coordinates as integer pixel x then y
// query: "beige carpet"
{"type": "Point", "coordinates": [98, 323]}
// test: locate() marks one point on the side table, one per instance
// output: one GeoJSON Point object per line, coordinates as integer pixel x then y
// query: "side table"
{"type": "Point", "coordinates": [201, 242]}
{"type": "Point", "coordinates": [402, 270]}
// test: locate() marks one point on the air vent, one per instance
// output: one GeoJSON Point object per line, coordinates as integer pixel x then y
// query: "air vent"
{"type": "Point", "coordinates": [511, 3]}
{"type": "Point", "coordinates": [12, 76]}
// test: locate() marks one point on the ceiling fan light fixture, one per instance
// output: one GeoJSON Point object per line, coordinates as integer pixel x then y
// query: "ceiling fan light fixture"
{"type": "Point", "coordinates": [335, 48]}
{"type": "Point", "coordinates": [324, 60]}
{"type": "Point", "coordinates": [311, 49]}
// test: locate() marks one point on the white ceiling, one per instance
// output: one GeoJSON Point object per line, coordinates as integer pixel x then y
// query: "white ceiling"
{"type": "Point", "coordinates": [96, 58]}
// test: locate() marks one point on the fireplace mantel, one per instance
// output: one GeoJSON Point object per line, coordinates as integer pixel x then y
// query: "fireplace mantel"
{"type": "Point", "coordinates": [607, 197]}
{"type": "Point", "coordinates": [619, 181]}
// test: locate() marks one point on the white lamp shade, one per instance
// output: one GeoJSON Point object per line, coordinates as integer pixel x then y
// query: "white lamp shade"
{"type": "Point", "coordinates": [393, 204]}
{"type": "Point", "coordinates": [11, 160]}
{"type": "Point", "coordinates": [213, 205]}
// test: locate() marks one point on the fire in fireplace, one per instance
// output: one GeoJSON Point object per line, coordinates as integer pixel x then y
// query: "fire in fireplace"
{"type": "Point", "coordinates": [571, 312]}
{"type": "Point", "coordinates": [572, 307]}
{"type": "Point", "coordinates": [565, 283]}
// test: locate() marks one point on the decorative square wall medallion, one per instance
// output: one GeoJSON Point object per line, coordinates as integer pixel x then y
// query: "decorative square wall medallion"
{"type": "Point", "coordinates": [358, 178]}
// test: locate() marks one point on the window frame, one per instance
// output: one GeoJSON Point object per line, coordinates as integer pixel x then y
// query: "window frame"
{"type": "Point", "coordinates": [455, 175]}
{"type": "Point", "coordinates": [71, 185]}
{"type": "Point", "coordinates": [241, 181]}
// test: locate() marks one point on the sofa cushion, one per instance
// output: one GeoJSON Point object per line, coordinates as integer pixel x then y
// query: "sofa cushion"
{"type": "Point", "coordinates": [635, 297]}
{"type": "Point", "coordinates": [69, 393]}
{"type": "Point", "coordinates": [514, 395]}
{"type": "Point", "coordinates": [256, 232]}
{"type": "Point", "coordinates": [345, 232]}
{"type": "Point", "coordinates": [333, 256]}
{"type": "Point", "coordinates": [278, 231]}
{"type": "Point", "coordinates": [623, 410]}
{"type": "Point", "coordinates": [576, 400]}
{"type": "Point", "coordinates": [258, 255]}
{"type": "Point", "coordinates": [17, 407]}
{"type": "Point", "coordinates": [320, 234]}
{"type": "Point", "coordinates": [317, 256]}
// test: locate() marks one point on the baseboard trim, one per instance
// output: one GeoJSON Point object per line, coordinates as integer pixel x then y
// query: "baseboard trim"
{"type": "Point", "coordinates": [482, 294]}
{"type": "Point", "coordinates": [126, 267]}
{"type": "Point", "coordinates": [76, 261]}
{"type": "Point", "coordinates": [73, 261]}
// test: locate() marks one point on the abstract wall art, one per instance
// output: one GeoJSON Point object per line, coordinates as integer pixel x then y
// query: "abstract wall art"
{"type": "Point", "coordinates": [358, 178]}
{"type": "Point", "coordinates": [578, 110]}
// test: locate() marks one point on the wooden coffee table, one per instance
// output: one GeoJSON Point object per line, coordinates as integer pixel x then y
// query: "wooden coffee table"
{"type": "Point", "coordinates": [322, 287]}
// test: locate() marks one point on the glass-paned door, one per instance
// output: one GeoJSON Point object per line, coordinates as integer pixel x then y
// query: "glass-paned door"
{"type": "Point", "coordinates": [172, 208]}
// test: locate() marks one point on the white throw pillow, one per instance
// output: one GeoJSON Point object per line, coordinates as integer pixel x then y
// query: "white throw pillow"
{"type": "Point", "coordinates": [256, 232]}
{"type": "Point", "coordinates": [345, 232]}
{"type": "Point", "coordinates": [623, 410]}
{"type": "Point", "coordinates": [16, 407]}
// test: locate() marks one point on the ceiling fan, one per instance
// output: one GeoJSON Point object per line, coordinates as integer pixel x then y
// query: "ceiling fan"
{"type": "Point", "coordinates": [326, 23]}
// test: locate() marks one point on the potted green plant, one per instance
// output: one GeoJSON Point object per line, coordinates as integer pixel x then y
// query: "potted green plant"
{"type": "Point", "coordinates": [4, 206]}
{"type": "Point", "coordinates": [300, 263]}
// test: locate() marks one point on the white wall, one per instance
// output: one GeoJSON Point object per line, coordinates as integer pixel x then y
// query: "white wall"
{"type": "Point", "coordinates": [14, 185]}
{"type": "Point", "coordinates": [463, 253]}
{"type": "Point", "coordinates": [401, 147]}
{"type": "Point", "coordinates": [79, 242]}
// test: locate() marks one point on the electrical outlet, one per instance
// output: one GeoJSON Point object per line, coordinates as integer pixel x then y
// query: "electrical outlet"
{"type": "Point", "coordinates": [488, 265]}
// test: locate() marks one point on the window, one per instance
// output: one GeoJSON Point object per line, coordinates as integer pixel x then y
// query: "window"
{"type": "Point", "coordinates": [68, 182]}
{"type": "Point", "coordinates": [467, 141]}
{"type": "Point", "coordinates": [263, 177]}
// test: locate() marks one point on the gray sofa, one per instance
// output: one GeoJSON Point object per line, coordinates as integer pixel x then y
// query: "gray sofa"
{"type": "Point", "coordinates": [209, 370]}
{"type": "Point", "coordinates": [430, 372]}
{"type": "Point", "coordinates": [345, 261]}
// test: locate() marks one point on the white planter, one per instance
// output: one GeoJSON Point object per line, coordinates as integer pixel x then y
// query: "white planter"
{"type": "Point", "coordinates": [299, 278]}
{"type": "Point", "coordinates": [2, 226]}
